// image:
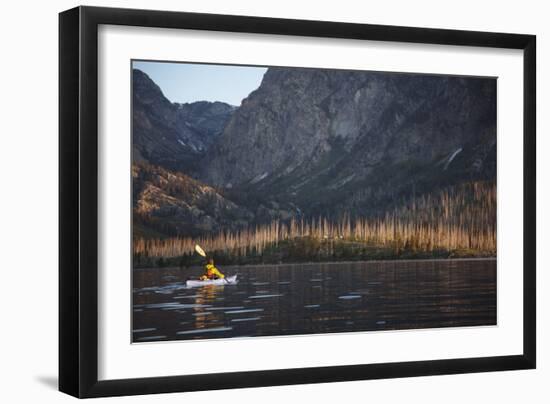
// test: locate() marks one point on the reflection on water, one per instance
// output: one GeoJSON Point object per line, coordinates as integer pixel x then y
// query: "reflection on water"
{"type": "Point", "coordinates": [314, 298]}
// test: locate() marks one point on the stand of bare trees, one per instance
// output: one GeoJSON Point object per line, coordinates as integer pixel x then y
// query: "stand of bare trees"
{"type": "Point", "coordinates": [457, 218]}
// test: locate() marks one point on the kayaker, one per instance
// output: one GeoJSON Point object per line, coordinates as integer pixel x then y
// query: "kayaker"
{"type": "Point", "coordinates": [211, 271]}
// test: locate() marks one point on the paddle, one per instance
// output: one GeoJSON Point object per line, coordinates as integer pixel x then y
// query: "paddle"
{"type": "Point", "coordinates": [202, 253]}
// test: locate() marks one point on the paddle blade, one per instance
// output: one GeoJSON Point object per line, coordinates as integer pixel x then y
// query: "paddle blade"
{"type": "Point", "coordinates": [199, 250]}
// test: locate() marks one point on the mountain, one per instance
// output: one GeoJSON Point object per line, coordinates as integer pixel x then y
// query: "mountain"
{"type": "Point", "coordinates": [171, 203]}
{"type": "Point", "coordinates": [307, 143]}
{"type": "Point", "coordinates": [205, 118]}
{"type": "Point", "coordinates": [319, 141]}
{"type": "Point", "coordinates": [173, 135]}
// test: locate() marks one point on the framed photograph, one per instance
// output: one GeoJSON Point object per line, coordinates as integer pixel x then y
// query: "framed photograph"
{"type": "Point", "coordinates": [251, 201]}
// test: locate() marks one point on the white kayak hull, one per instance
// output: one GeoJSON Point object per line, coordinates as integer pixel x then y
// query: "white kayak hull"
{"type": "Point", "coordinates": [230, 280]}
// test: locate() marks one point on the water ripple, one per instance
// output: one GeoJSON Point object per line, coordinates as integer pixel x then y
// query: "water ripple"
{"type": "Point", "coordinates": [262, 296]}
{"type": "Point", "coordinates": [239, 320]}
{"type": "Point", "coordinates": [243, 311]}
{"type": "Point", "coordinates": [349, 297]}
{"type": "Point", "coordinates": [202, 330]}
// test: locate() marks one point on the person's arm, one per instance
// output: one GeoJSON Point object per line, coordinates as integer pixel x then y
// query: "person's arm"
{"type": "Point", "coordinates": [218, 273]}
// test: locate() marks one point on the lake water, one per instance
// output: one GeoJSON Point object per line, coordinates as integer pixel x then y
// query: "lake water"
{"type": "Point", "coordinates": [314, 298]}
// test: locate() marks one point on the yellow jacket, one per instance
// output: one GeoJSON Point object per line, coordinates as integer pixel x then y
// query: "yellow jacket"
{"type": "Point", "coordinates": [212, 272]}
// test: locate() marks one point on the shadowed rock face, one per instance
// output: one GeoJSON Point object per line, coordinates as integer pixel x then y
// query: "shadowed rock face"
{"type": "Point", "coordinates": [169, 134]}
{"type": "Point", "coordinates": [314, 139]}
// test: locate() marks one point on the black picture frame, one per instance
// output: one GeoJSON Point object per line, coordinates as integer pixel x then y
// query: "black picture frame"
{"type": "Point", "coordinates": [78, 201]}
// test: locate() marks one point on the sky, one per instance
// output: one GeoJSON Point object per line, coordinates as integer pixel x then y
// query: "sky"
{"type": "Point", "coordinates": [186, 82]}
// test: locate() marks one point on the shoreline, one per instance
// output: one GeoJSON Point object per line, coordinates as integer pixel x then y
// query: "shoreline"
{"type": "Point", "coordinates": [329, 262]}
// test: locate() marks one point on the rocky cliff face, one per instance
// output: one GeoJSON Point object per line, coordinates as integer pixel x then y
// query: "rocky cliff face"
{"type": "Point", "coordinates": [316, 140]}
{"type": "Point", "coordinates": [169, 134]}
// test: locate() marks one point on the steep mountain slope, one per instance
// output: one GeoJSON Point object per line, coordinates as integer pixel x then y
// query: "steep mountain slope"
{"type": "Point", "coordinates": [171, 203]}
{"type": "Point", "coordinates": [326, 141]}
{"type": "Point", "coordinates": [169, 134]}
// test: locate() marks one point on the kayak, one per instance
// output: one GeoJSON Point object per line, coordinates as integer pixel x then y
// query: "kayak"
{"type": "Point", "coordinates": [230, 280]}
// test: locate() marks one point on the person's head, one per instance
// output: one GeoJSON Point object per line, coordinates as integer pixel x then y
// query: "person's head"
{"type": "Point", "coordinates": [210, 260]}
